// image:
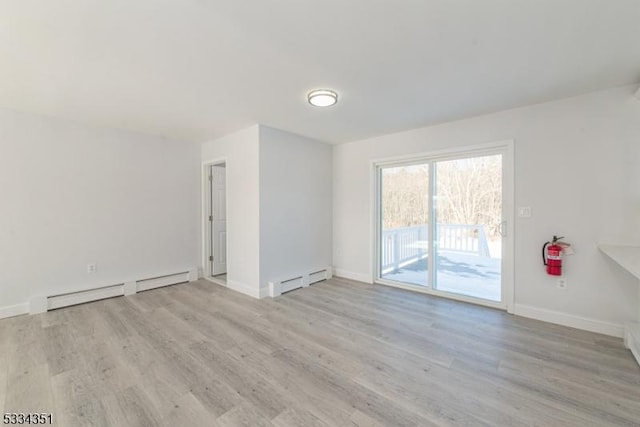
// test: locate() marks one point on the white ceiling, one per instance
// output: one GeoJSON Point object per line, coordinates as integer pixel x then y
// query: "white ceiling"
{"type": "Point", "coordinates": [199, 69]}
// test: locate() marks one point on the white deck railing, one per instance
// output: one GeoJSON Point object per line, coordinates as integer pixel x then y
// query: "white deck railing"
{"type": "Point", "coordinates": [465, 238]}
{"type": "Point", "coordinates": [406, 245]}
{"type": "Point", "coordinates": [403, 246]}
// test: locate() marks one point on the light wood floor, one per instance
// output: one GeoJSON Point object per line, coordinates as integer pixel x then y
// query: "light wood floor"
{"type": "Point", "coordinates": [339, 353]}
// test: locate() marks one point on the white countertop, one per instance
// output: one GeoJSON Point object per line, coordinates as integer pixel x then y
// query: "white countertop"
{"type": "Point", "coordinates": [627, 256]}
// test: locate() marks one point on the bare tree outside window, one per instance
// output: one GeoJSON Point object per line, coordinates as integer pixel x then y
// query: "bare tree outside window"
{"type": "Point", "coordinates": [406, 196]}
{"type": "Point", "coordinates": [469, 192]}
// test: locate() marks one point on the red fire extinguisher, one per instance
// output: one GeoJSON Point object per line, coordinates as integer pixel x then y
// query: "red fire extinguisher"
{"type": "Point", "coordinates": [552, 256]}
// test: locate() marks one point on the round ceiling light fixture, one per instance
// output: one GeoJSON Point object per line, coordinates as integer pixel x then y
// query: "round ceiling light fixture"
{"type": "Point", "coordinates": [322, 97]}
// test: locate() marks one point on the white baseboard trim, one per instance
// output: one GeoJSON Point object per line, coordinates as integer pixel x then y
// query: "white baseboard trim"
{"type": "Point", "coordinates": [352, 275]}
{"type": "Point", "coordinates": [244, 288]}
{"type": "Point", "coordinates": [264, 292]}
{"type": "Point", "coordinates": [573, 321]}
{"type": "Point", "coordinates": [14, 310]}
{"type": "Point", "coordinates": [632, 339]}
{"type": "Point", "coordinates": [194, 274]}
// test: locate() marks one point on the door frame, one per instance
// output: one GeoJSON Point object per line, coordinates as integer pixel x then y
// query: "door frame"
{"type": "Point", "coordinates": [207, 231]}
{"type": "Point", "coordinates": [504, 147]}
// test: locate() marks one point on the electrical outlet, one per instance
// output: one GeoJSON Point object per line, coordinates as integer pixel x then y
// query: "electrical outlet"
{"type": "Point", "coordinates": [92, 268]}
{"type": "Point", "coordinates": [561, 283]}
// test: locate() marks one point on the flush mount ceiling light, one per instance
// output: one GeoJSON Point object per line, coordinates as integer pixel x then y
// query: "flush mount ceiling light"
{"type": "Point", "coordinates": [322, 97]}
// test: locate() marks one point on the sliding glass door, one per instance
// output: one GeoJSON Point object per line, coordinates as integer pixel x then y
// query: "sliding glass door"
{"type": "Point", "coordinates": [442, 225]}
{"type": "Point", "coordinates": [468, 212]}
{"type": "Point", "coordinates": [404, 215]}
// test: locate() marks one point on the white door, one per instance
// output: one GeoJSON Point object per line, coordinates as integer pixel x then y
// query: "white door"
{"type": "Point", "coordinates": [218, 220]}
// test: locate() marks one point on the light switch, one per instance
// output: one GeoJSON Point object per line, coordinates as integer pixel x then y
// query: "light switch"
{"type": "Point", "coordinates": [524, 212]}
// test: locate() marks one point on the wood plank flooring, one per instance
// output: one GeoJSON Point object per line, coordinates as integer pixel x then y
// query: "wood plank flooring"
{"type": "Point", "coordinates": [339, 353]}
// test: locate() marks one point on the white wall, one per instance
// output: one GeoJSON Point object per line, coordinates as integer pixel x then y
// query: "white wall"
{"type": "Point", "coordinates": [295, 205]}
{"type": "Point", "coordinates": [278, 205]}
{"type": "Point", "coordinates": [575, 165]}
{"type": "Point", "coordinates": [240, 151]}
{"type": "Point", "coordinates": [72, 195]}
{"type": "Point", "coordinates": [632, 159]}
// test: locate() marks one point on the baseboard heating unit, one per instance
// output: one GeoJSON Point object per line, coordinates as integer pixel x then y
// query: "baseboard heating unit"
{"type": "Point", "coordinates": [277, 288]}
{"type": "Point", "coordinates": [41, 304]}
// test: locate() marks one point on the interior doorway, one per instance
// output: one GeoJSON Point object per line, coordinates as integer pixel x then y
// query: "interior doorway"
{"type": "Point", "coordinates": [216, 222]}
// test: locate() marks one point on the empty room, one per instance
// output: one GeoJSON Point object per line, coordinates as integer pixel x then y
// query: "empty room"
{"type": "Point", "coordinates": [320, 213]}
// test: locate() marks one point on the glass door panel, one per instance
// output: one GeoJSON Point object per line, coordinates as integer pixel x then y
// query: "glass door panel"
{"type": "Point", "coordinates": [404, 222]}
{"type": "Point", "coordinates": [468, 219]}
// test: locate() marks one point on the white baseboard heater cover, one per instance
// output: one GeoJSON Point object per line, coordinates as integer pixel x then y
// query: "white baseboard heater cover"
{"type": "Point", "coordinates": [158, 282]}
{"type": "Point", "coordinates": [74, 298]}
{"type": "Point", "coordinates": [291, 284]}
{"type": "Point", "coordinates": [277, 288]}
{"type": "Point", "coordinates": [42, 304]}
{"type": "Point", "coordinates": [318, 276]}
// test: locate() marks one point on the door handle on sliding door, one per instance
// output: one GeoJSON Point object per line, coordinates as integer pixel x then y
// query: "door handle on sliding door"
{"type": "Point", "coordinates": [503, 229]}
